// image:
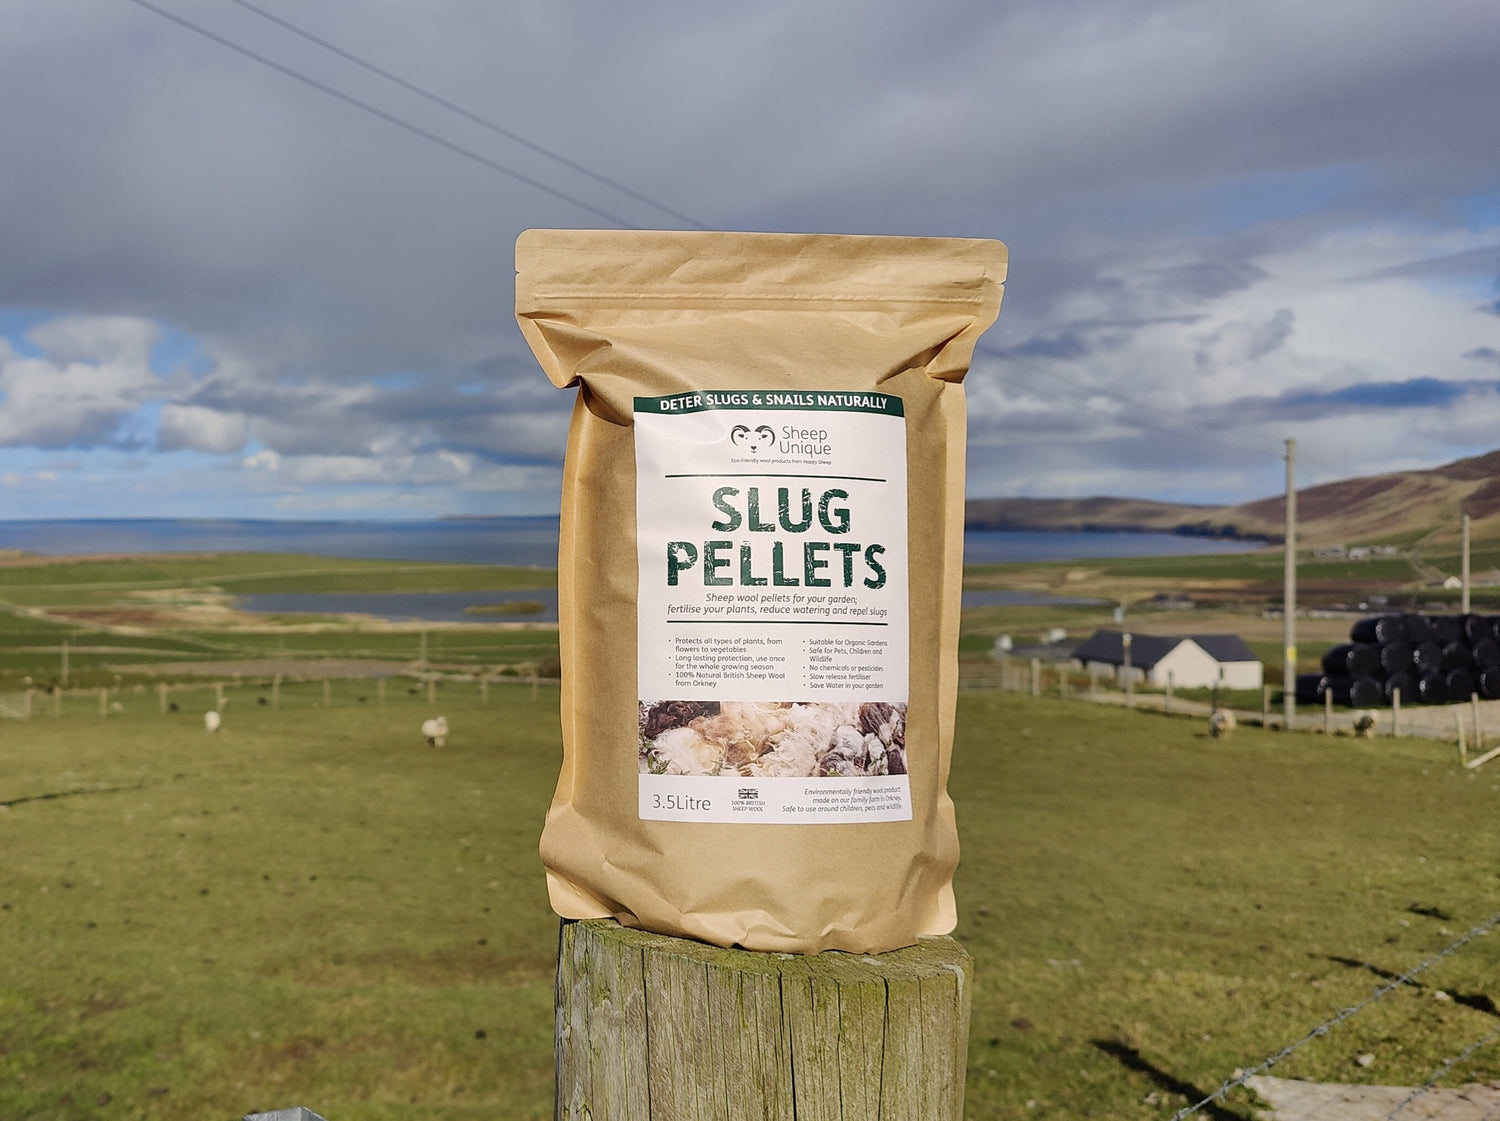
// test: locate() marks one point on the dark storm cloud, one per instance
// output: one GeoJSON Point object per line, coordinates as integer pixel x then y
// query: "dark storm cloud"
{"type": "Point", "coordinates": [1362, 397]}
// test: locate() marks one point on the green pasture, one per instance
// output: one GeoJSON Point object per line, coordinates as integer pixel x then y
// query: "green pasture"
{"type": "Point", "coordinates": [311, 906]}
{"type": "Point", "coordinates": [113, 643]}
{"type": "Point", "coordinates": [104, 579]}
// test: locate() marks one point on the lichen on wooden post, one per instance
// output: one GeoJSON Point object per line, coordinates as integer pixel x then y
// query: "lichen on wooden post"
{"type": "Point", "coordinates": [651, 1027]}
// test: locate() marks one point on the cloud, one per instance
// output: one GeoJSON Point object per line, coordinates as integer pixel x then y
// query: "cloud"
{"type": "Point", "coordinates": [197, 429]}
{"type": "Point", "coordinates": [91, 375]}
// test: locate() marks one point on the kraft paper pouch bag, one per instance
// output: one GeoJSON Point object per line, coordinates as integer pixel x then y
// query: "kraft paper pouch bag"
{"type": "Point", "coordinates": [761, 553]}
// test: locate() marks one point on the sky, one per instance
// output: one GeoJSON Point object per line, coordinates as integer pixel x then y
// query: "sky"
{"type": "Point", "coordinates": [228, 292]}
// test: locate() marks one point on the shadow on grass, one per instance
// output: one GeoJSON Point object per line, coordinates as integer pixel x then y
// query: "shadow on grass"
{"type": "Point", "coordinates": [1131, 1059]}
{"type": "Point", "coordinates": [1383, 974]}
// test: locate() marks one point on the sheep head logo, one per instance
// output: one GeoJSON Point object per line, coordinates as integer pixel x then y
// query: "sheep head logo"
{"type": "Point", "coordinates": [752, 440]}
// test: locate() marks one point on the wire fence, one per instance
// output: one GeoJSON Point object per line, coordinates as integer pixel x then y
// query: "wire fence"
{"type": "Point", "coordinates": [1241, 1077]}
{"type": "Point", "coordinates": [302, 690]}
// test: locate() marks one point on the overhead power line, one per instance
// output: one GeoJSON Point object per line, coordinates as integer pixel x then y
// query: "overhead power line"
{"type": "Point", "coordinates": [485, 122]}
{"type": "Point", "coordinates": [383, 115]}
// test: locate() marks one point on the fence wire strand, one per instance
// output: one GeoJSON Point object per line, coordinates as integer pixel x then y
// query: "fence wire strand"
{"type": "Point", "coordinates": [1438, 1074]}
{"type": "Point", "coordinates": [1328, 1025]}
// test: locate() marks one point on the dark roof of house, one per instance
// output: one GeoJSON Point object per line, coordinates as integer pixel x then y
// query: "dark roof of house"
{"type": "Point", "coordinates": [1147, 649]}
{"type": "Point", "coordinates": [1225, 647]}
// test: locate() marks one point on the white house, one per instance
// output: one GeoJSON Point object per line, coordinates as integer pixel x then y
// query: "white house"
{"type": "Point", "coordinates": [1193, 661]}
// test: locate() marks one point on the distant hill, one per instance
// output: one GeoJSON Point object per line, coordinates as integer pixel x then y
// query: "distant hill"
{"type": "Point", "coordinates": [1403, 505]}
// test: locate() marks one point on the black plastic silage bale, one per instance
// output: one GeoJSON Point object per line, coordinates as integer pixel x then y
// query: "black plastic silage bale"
{"type": "Point", "coordinates": [1418, 629]}
{"type": "Point", "coordinates": [1487, 654]}
{"type": "Point", "coordinates": [1459, 684]}
{"type": "Point", "coordinates": [1352, 659]}
{"type": "Point", "coordinates": [1489, 684]}
{"type": "Point", "coordinates": [1311, 687]}
{"type": "Point", "coordinates": [1431, 690]}
{"type": "Point", "coordinates": [1379, 628]}
{"type": "Point", "coordinates": [1476, 629]}
{"type": "Point", "coordinates": [1449, 628]}
{"type": "Point", "coordinates": [1405, 682]}
{"type": "Point", "coordinates": [1457, 656]}
{"type": "Point", "coordinates": [1356, 692]}
{"type": "Point", "coordinates": [1426, 657]}
{"type": "Point", "coordinates": [1395, 657]}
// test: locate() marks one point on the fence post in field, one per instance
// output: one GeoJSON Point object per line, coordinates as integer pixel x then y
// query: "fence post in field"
{"type": "Point", "coordinates": [1478, 736]}
{"type": "Point", "coordinates": [431, 691]}
{"type": "Point", "coordinates": [1396, 711]}
{"type": "Point", "coordinates": [1036, 677]}
{"type": "Point", "coordinates": [327, 693]}
{"type": "Point", "coordinates": [276, 691]}
{"type": "Point", "coordinates": [1458, 727]}
{"type": "Point", "coordinates": [1328, 712]}
{"type": "Point", "coordinates": [161, 697]}
{"type": "Point", "coordinates": [1093, 680]}
{"type": "Point", "coordinates": [484, 690]}
{"type": "Point", "coordinates": [1166, 704]}
{"type": "Point", "coordinates": [651, 1028]}
{"type": "Point", "coordinates": [26, 711]}
{"type": "Point", "coordinates": [218, 696]}
{"type": "Point", "coordinates": [1265, 706]}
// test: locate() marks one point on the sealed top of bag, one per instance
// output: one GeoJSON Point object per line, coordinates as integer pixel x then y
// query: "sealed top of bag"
{"type": "Point", "coordinates": [604, 265]}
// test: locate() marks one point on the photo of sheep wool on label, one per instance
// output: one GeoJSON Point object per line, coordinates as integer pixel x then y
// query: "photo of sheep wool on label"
{"type": "Point", "coordinates": [759, 577]}
{"type": "Point", "coordinates": [772, 740]}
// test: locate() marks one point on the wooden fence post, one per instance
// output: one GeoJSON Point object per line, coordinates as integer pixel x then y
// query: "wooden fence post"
{"type": "Point", "coordinates": [431, 691]}
{"type": "Point", "coordinates": [26, 712]}
{"type": "Point", "coordinates": [1478, 736]}
{"type": "Point", "coordinates": [327, 693]}
{"type": "Point", "coordinates": [161, 697]}
{"type": "Point", "coordinates": [1036, 677]}
{"type": "Point", "coordinates": [218, 696]}
{"type": "Point", "coordinates": [1458, 727]}
{"type": "Point", "coordinates": [1265, 706]}
{"type": "Point", "coordinates": [1396, 711]}
{"type": "Point", "coordinates": [276, 691]}
{"type": "Point", "coordinates": [484, 690]}
{"type": "Point", "coordinates": [651, 1028]}
{"type": "Point", "coordinates": [1328, 712]}
{"type": "Point", "coordinates": [1166, 704]}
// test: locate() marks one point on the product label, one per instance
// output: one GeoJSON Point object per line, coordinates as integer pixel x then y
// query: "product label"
{"type": "Point", "coordinates": [773, 641]}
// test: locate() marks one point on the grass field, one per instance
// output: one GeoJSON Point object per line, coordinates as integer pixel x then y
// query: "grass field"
{"type": "Point", "coordinates": [313, 907]}
{"type": "Point", "coordinates": [118, 617]}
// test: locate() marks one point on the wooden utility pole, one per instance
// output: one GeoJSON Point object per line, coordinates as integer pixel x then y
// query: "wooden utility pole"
{"type": "Point", "coordinates": [1289, 590]}
{"type": "Point", "coordinates": [1465, 600]}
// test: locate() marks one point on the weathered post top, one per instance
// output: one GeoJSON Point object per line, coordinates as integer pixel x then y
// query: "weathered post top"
{"type": "Point", "coordinates": [651, 1027]}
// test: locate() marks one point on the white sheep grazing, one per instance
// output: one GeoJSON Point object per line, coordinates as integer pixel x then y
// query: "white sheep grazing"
{"type": "Point", "coordinates": [211, 720]}
{"type": "Point", "coordinates": [435, 731]}
{"type": "Point", "coordinates": [1220, 722]}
